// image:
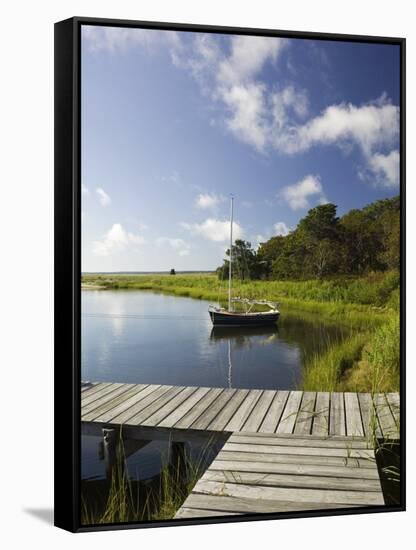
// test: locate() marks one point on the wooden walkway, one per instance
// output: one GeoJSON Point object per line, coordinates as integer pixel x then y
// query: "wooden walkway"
{"type": "Point", "coordinates": [286, 450]}
{"type": "Point", "coordinates": [260, 473]}
{"type": "Point", "coordinates": [199, 409]}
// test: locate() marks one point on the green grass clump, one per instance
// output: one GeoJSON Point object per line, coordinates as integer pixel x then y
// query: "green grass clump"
{"type": "Point", "coordinates": [323, 372]}
{"type": "Point", "coordinates": [378, 370]}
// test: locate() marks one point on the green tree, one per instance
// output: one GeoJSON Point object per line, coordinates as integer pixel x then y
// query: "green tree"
{"type": "Point", "coordinates": [320, 222]}
{"type": "Point", "coordinates": [246, 265]}
{"type": "Point", "coordinates": [323, 245]}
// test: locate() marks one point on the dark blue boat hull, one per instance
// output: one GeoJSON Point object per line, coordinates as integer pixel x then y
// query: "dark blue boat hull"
{"type": "Point", "coordinates": [243, 320]}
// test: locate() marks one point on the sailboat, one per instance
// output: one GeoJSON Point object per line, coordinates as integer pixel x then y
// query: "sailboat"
{"type": "Point", "coordinates": [230, 318]}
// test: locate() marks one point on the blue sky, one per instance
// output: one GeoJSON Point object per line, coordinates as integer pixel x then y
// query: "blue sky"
{"type": "Point", "coordinates": [173, 123]}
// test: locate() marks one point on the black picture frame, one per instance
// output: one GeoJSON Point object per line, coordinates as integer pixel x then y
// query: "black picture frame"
{"type": "Point", "coordinates": [67, 250]}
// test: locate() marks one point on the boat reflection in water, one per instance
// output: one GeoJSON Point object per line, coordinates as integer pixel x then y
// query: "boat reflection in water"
{"type": "Point", "coordinates": [240, 338]}
{"type": "Point", "coordinates": [246, 336]}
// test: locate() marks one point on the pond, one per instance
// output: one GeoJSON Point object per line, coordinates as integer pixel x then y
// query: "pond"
{"type": "Point", "coordinates": [149, 338]}
{"type": "Point", "coordinates": [145, 337]}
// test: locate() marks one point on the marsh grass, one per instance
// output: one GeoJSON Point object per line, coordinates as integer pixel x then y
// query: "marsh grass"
{"type": "Point", "coordinates": [325, 371]}
{"type": "Point", "coordinates": [128, 500]}
{"type": "Point", "coordinates": [375, 289]}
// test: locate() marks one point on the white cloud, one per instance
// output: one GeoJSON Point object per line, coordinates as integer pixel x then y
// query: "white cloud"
{"type": "Point", "coordinates": [215, 230]}
{"type": "Point", "coordinates": [268, 117]}
{"type": "Point", "coordinates": [280, 228]}
{"type": "Point", "coordinates": [181, 246]}
{"type": "Point", "coordinates": [247, 113]}
{"type": "Point", "coordinates": [372, 128]}
{"type": "Point", "coordinates": [273, 117]}
{"type": "Point", "coordinates": [243, 96]}
{"type": "Point", "coordinates": [298, 195]}
{"type": "Point", "coordinates": [115, 240]}
{"type": "Point", "coordinates": [248, 56]}
{"type": "Point", "coordinates": [104, 199]}
{"type": "Point", "coordinates": [113, 39]}
{"type": "Point", "coordinates": [207, 200]}
{"type": "Point", "coordinates": [369, 126]}
{"type": "Point", "coordinates": [231, 80]}
{"type": "Point", "coordinates": [386, 168]}
{"type": "Point", "coordinates": [286, 104]}
{"type": "Point", "coordinates": [84, 190]}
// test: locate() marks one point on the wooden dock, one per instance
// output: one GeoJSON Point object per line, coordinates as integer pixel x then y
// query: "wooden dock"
{"type": "Point", "coordinates": [199, 409]}
{"type": "Point", "coordinates": [283, 450]}
{"type": "Point", "coordinates": [260, 473]}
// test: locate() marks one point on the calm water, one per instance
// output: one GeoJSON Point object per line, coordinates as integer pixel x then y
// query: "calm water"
{"type": "Point", "coordinates": [145, 337]}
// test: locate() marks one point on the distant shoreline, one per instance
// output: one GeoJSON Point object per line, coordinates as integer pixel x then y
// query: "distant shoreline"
{"type": "Point", "coordinates": [86, 286]}
{"type": "Point", "coordinates": [196, 272]}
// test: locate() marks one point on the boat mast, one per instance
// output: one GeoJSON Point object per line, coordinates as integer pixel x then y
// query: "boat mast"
{"type": "Point", "coordinates": [231, 255]}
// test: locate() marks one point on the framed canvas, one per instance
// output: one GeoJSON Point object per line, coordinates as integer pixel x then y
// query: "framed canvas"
{"type": "Point", "coordinates": [229, 274]}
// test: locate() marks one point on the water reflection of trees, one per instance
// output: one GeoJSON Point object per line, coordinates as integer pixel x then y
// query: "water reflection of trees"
{"type": "Point", "coordinates": [310, 336]}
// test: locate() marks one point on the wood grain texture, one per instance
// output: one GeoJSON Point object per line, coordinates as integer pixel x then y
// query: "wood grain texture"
{"type": "Point", "coordinates": [286, 450]}
{"type": "Point", "coordinates": [258, 473]}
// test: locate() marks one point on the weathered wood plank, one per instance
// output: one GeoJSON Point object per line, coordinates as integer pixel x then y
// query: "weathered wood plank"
{"type": "Point", "coordinates": [124, 405]}
{"type": "Point", "coordinates": [126, 415]}
{"type": "Point", "coordinates": [103, 399]}
{"type": "Point", "coordinates": [203, 421]}
{"type": "Point", "coordinates": [250, 505]}
{"type": "Point", "coordinates": [305, 416]}
{"type": "Point", "coordinates": [184, 408]}
{"type": "Point", "coordinates": [293, 480]}
{"type": "Point", "coordinates": [289, 415]}
{"type": "Point", "coordinates": [333, 467]}
{"type": "Point", "coordinates": [393, 400]}
{"type": "Point", "coordinates": [185, 513]}
{"type": "Point", "coordinates": [224, 416]}
{"type": "Point", "coordinates": [273, 415]}
{"type": "Point", "coordinates": [385, 417]}
{"type": "Point", "coordinates": [201, 406]}
{"type": "Point", "coordinates": [353, 415]}
{"type": "Point", "coordinates": [290, 459]}
{"type": "Point", "coordinates": [320, 424]}
{"type": "Point", "coordinates": [100, 393]}
{"type": "Point", "coordinates": [297, 450]}
{"type": "Point", "coordinates": [90, 387]}
{"type": "Point", "coordinates": [337, 414]}
{"type": "Point", "coordinates": [143, 415]}
{"type": "Point", "coordinates": [242, 413]}
{"type": "Point", "coordinates": [306, 441]}
{"type": "Point", "coordinates": [257, 414]}
{"type": "Point", "coordinates": [328, 438]}
{"type": "Point", "coordinates": [290, 494]}
{"type": "Point", "coordinates": [109, 409]}
{"type": "Point", "coordinates": [169, 407]}
{"type": "Point", "coordinates": [368, 414]}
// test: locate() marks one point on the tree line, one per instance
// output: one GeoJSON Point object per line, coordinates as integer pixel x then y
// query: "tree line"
{"type": "Point", "coordinates": [323, 245]}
